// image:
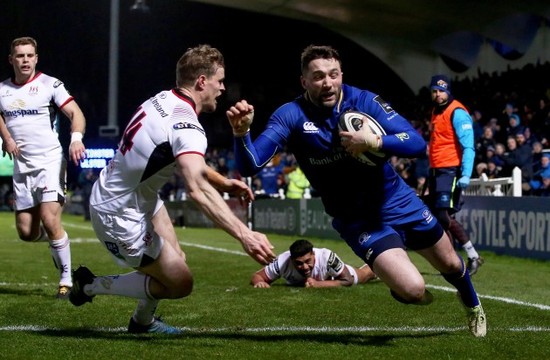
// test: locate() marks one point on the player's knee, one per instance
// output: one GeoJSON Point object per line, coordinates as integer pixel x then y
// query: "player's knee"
{"type": "Point", "coordinates": [27, 238]}
{"type": "Point", "coordinates": [455, 271]}
{"type": "Point", "coordinates": [183, 287]}
{"type": "Point", "coordinates": [415, 294]}
{"type": "Point", "coordinates": [33, 237]}
{"type": "Point", "coordinates": [30, 236]}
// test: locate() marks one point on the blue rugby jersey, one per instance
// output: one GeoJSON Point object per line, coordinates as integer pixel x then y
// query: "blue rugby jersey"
{"type": "Point", "coordinates": [349, 189]}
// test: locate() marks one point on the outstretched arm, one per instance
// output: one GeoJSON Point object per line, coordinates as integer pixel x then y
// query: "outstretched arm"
{"type": "Point", "coordinates": [194, 171]}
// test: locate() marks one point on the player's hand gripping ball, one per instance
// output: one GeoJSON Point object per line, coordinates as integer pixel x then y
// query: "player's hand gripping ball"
{"type": "Point", "coordinates": [353, 121]}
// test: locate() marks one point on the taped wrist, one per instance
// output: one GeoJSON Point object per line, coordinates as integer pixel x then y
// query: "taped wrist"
{"type": "Point", "coordinates": [76, 136]}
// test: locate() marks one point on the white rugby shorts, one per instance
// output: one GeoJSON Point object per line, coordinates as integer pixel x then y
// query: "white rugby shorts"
{"type": "Point", "coordinates": [43, 185]}
{"type": "Point", "coordinates": [128, 236]}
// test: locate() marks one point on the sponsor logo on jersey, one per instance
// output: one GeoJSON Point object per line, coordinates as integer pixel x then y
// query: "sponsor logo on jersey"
{"type": "Point", "coordinates": [158, 107]}
{"type": "Point", "coordinates": [186, 125]}
{"type": "Point", "coordinates": [309, 127]}
{"type": "Point", "coordinates": [6, 94]}
{"type": "Point", "coordinates": [33, 90]}
{"type": "Point", "coordinates": [402, 136]}
{"type": "Point", "coordinates": [384, 105]}
{"type": "Point", "coordinates": [20, 112]}
{"type": "Point", "coordinates": [57, 84]}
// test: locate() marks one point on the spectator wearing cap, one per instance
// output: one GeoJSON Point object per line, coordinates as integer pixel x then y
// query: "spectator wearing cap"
{"type": "Point", "coordinates": [451, 156]}
{"type": "Point", "coordinates": [509, 109]}
{"type": "Point", "coordinates": [514, 125]}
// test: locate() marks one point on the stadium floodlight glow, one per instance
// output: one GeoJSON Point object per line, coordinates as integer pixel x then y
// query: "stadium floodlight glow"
{"type": "Point", "coordinates": [140, 6]}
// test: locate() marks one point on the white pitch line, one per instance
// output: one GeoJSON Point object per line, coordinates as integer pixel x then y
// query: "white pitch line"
{"type": "Point", "coordinates": [293, 329]}
{"type": "Point", "coordinates": [212, 248]}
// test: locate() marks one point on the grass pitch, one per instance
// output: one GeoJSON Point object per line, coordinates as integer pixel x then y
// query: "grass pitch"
{"type": "Point", "coordinates": [225, 318]}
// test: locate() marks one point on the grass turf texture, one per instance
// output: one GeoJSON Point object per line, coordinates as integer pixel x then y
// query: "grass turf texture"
{"type": "Point", "coordinates": [225, 318]}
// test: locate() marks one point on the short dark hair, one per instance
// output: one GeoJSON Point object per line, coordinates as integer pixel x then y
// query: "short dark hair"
{"type": "Point", "coordinates": [299, 248]}
{"type": "Point", "coordinates": [314, 52]}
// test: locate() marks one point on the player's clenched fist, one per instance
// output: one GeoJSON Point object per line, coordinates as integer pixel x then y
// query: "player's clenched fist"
{"type": "Point", "coordinates": [240, 117]}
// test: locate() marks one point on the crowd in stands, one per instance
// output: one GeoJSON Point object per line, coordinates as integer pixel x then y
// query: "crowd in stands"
{"type": "Point", "coordinates": [511, 116]}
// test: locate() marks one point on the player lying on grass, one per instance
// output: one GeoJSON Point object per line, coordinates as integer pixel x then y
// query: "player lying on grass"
{"type": "Point", "coordinates": [311, 267]}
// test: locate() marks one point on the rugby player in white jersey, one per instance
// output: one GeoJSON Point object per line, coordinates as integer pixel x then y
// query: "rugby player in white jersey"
{"type": "Point", "coordinates": [131, 221]}
{"type": "Point", "coordinates": [311, 267]}
{"type": "Point", "coordinates": [29, 104]}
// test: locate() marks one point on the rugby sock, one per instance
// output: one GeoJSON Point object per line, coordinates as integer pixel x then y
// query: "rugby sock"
{"type": "Point", "coordinates": [61, 254]}
{"type": "Point", "coordinates": [145, 311]}
{"type": "Point", "coordinates": [462, 282]}
{"type": "Point", "coordinates": [134, 285]}
{"type": "Point", "coordinates": [461, 236]}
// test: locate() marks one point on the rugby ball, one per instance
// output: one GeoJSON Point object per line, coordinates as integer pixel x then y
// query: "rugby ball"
{"type": "Point", "coordinates": [352, 121]}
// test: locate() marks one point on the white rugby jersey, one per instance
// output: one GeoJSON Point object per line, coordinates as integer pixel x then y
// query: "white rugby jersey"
{"type": "Point", "coordinates": [30, 111]}
{"type": "Point", "coordinates": [163, 127]}
{"type": "Point", "coordinates": [327, 266]}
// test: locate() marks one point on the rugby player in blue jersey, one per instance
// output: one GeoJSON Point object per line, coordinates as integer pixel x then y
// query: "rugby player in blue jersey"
{"type": "Point", "coordinates": [373, 209]}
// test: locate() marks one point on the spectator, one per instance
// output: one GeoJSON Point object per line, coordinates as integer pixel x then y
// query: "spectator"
{"type": "Point", "coordinates": [297, 184]}
{"type": "Point", "coordinates": [270, 179]}
{"type": "Point", "coordinates": [537, 156]}
{"type": "Point", "coordinates": [544, 190]}
{"type": "Point", "coordinates": [492, 171]}
{"type": "Point", "coordinates": [514, 126]}
{"type": "Point", "coordinates": [536, 185]}
{"type": "Point", "coordinates": [477, 125]}
{"type": "Point", "coordinates": [530, 139]}
{"type": "Point", "coordinates": [481, 168]}
{"type": "Point", "coordinates": [499, 132]}
{"type": "Point", "coordinates": [487, 140]}
{"type": "Point", "coordinates": [525, 152]}
{"type": "Point", "coordinates": [516, 157]}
